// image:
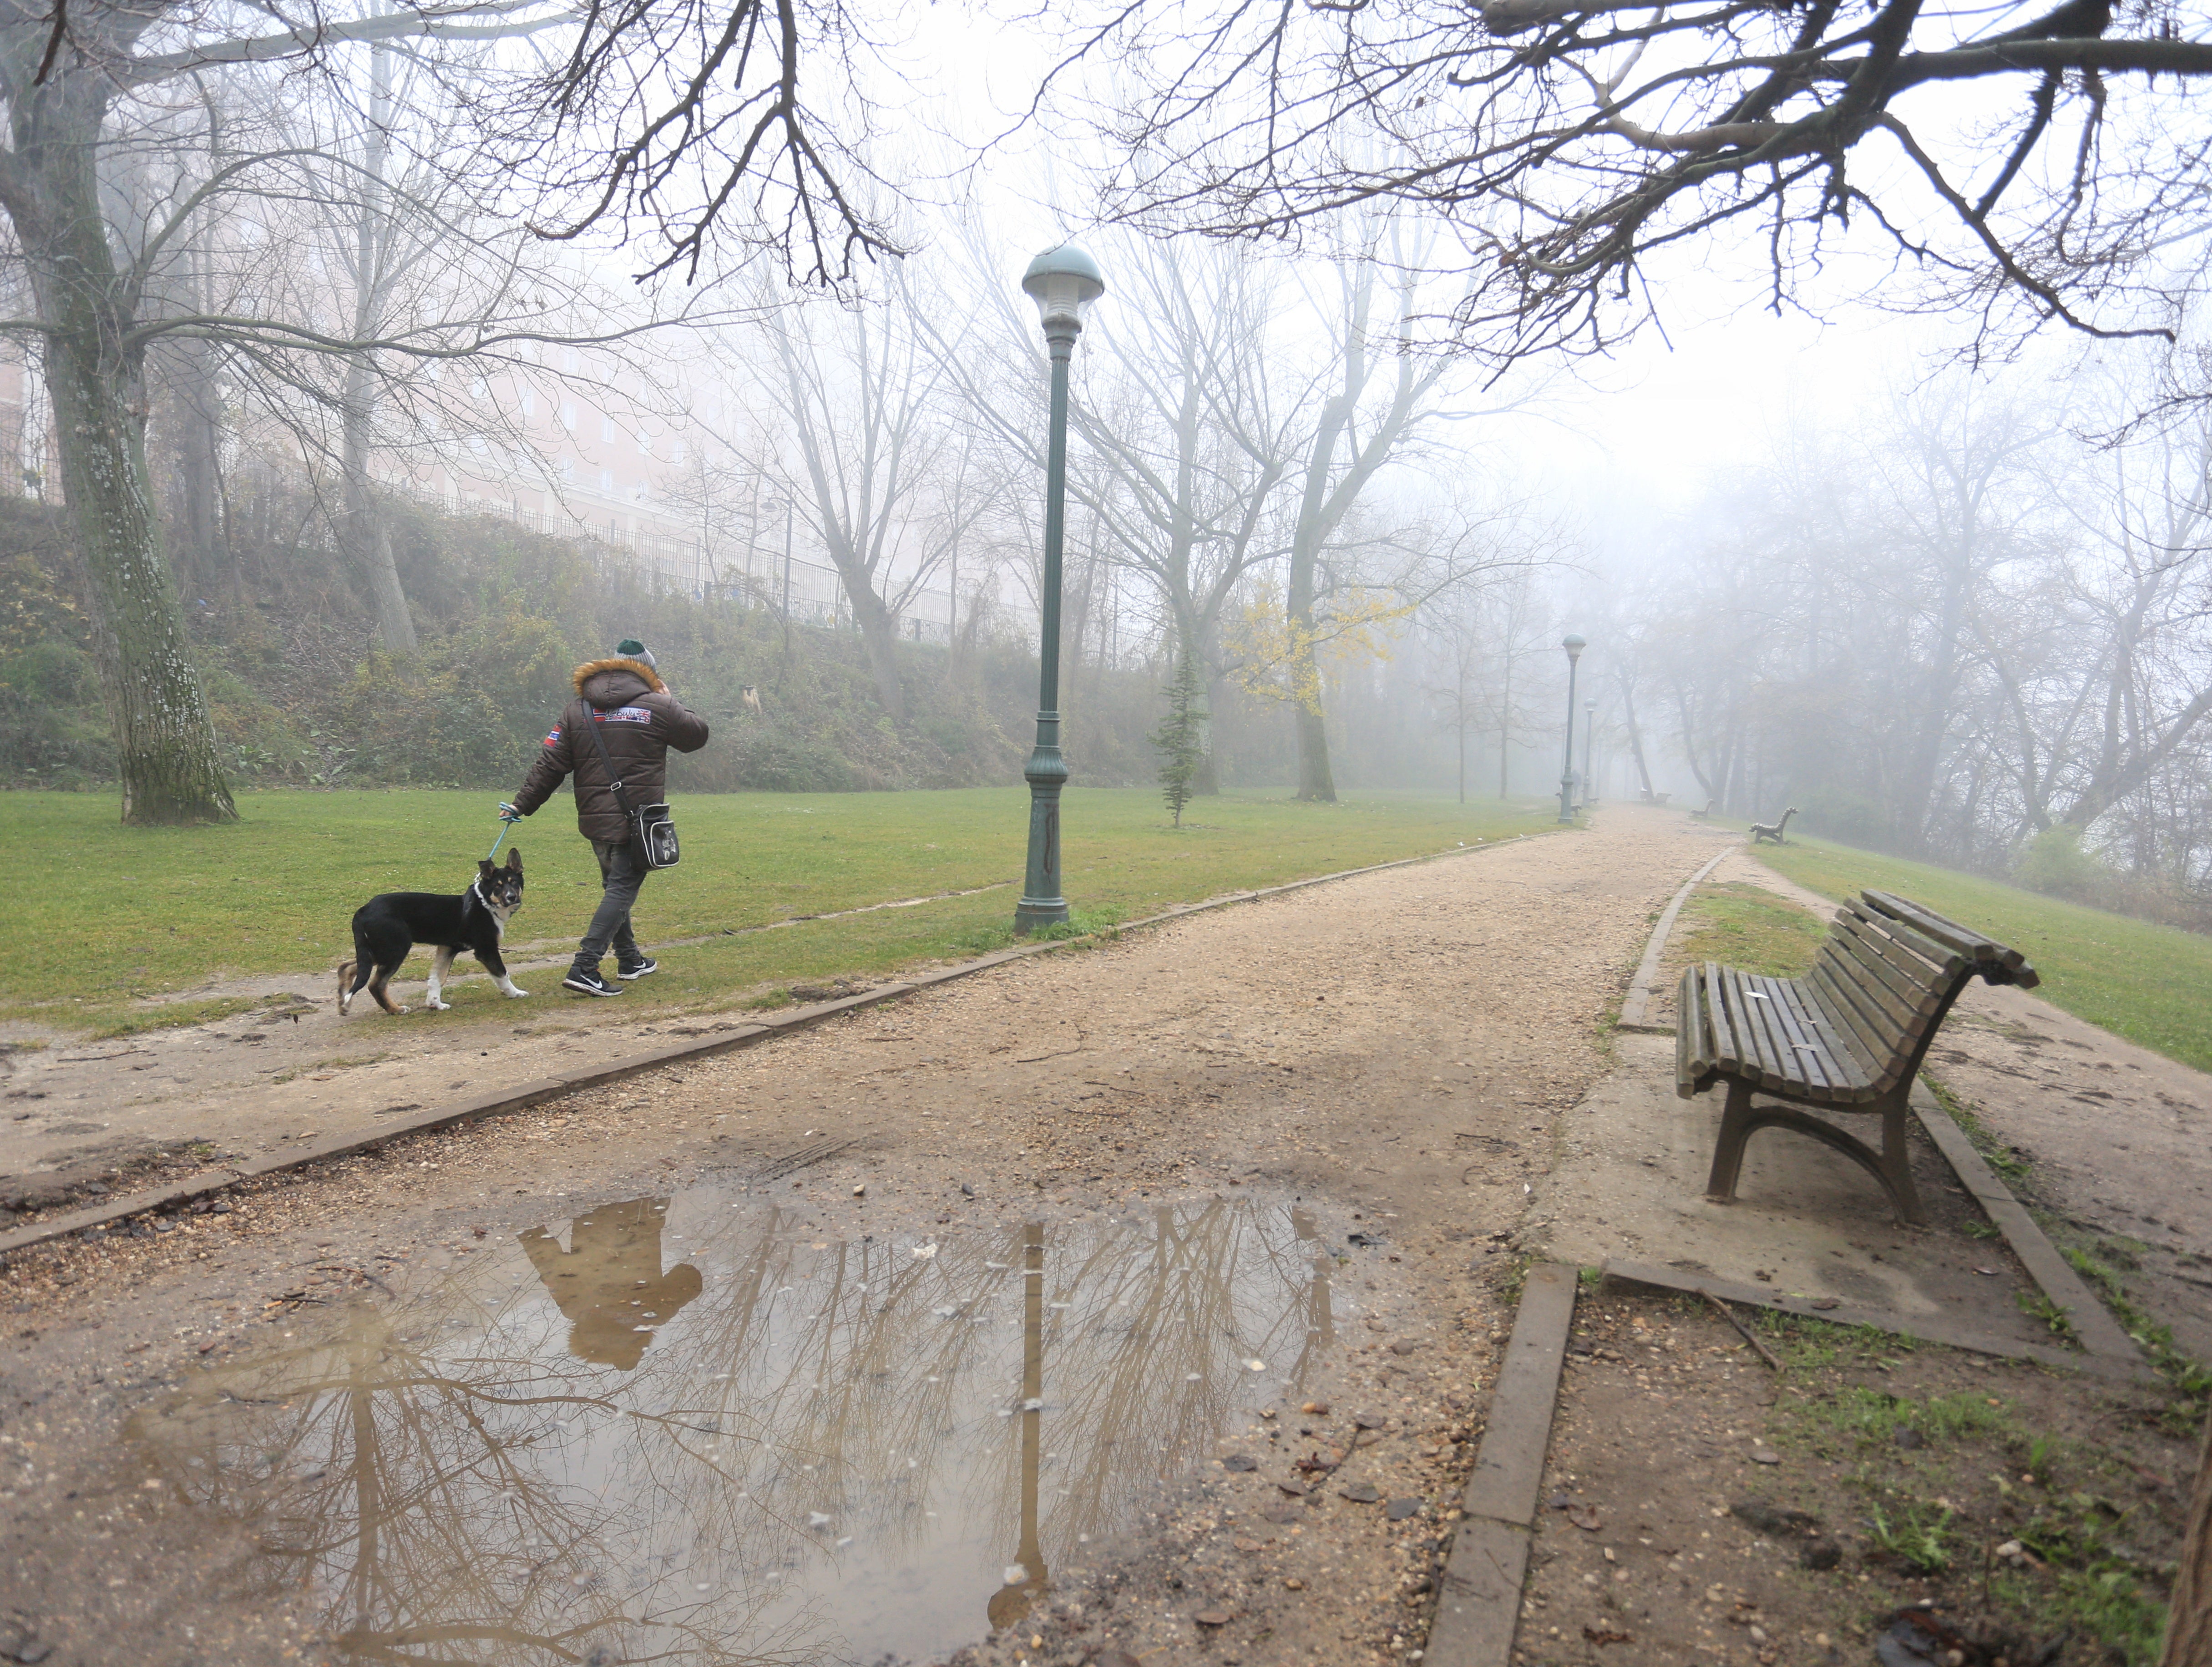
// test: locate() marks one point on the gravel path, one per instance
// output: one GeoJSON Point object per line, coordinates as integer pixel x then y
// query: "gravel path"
{"type": "Point", "coordinates": [1393, 1049]}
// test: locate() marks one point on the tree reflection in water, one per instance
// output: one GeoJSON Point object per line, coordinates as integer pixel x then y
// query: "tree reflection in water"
{"type": "Point", "coordinates": [781, 1450]}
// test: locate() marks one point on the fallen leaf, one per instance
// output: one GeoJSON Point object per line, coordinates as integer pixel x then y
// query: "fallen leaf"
{"type": "Point", "coordinates": [1586, 1518]}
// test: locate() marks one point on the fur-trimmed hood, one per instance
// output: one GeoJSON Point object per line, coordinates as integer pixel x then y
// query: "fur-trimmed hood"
{"type": "Point", "coordinates": [616, 679]}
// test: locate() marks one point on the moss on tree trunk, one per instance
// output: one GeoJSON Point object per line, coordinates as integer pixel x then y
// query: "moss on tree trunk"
{"type": "Point", "coordinates": [95, 371]}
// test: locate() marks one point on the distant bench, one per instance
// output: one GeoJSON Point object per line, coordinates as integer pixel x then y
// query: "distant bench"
{"type": "Point", "coordinates": [1848, 1036]}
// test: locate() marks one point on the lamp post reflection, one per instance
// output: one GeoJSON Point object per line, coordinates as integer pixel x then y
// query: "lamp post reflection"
{"type": "Point", "coordinates": [1026, 1580]}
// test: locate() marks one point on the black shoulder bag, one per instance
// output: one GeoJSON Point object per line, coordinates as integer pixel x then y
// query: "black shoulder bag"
{"type": "Point", "coordinates": [652, 827]}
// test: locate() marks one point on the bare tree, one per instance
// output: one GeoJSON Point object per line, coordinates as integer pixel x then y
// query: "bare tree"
{"type": "Point", "coordinates": [1570, 142]}
{"type": "Point", "coordinates": [80, 84]}
{"type": "Point", "coordinates": [891, 495]}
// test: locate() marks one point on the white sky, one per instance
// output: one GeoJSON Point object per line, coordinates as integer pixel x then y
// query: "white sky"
{"type": "Point", "coordinates": [1657, 421]}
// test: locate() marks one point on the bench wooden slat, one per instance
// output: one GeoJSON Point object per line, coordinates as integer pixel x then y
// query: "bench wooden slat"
{"type": "Point", "coordinates": [1693, 1051]}
{"type": "Point", "coordinates": [1762, 1055]}
{"type": "Point", "coordinates": [1915, 992]}
{"type": "Point", "coordinates": [1778, 1060]}
{"type": "Point", "coordinates": [1916, 977]}
{"type": "Point", "coordinates": [1947, 963]}
{"type": "Point", "coordinates": [1735, 1050]}
{"type": "Point", "coordinates": [1882, 1039]}
{"type": "Point", "coordinates": [1890, 1013]}
{"type": "Point", "coordinates": [1963, 940]}
{"type": "Point", "coordinates": [1838, 1022]}
{"type": "Point", "coordinates": [1823, 1076]}
{"type": "Point", "coordinates": [1996, 962]}
{"type": "Point", "coordinates": [1850, 1075]}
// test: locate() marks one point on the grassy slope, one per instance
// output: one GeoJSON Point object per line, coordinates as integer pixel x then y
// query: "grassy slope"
{"type": "Point", "coordinates": [132, 913]}
{"type": "Point", "coordinates": [2152, 985]}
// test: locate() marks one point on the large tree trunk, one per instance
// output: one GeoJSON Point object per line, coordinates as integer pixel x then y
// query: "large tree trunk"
{"type": "Point", "coordinates": [1316, 781]}
{"type": "Point", "coordinates": [879, 635]}
{"type": "Point", "coordinates": [1636, 739]}
{"type": "Point", "coordinates": [2189, 1616]}
{"type": "Point", "coordinates": [164, 741]}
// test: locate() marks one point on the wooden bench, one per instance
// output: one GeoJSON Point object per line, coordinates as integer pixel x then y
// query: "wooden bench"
{"type": "Point", "coordinates": [1848, 1036]}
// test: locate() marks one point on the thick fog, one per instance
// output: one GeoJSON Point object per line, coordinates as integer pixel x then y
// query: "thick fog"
{"type": "Point", "coordinates": [396, 351]}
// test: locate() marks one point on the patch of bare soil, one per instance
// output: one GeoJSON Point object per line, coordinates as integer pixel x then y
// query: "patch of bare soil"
{"type": "Point", "coordinates": [1399, 1045]}
{"type": "Point", "coordinates": [1704, 1508]}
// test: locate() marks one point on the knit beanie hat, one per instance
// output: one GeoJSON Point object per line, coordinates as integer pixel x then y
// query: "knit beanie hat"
{"type": "Point", "coordinates": [630, 648]}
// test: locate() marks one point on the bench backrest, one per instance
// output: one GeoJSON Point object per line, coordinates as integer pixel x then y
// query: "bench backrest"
{"type": "Point", "coordinates": [1890, 970]}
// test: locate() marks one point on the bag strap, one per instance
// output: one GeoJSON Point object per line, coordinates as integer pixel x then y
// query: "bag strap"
{"type": "Point", "coordinates": [592, 723]}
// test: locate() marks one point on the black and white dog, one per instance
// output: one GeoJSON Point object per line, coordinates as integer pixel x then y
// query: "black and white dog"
{"type": "Point", "coordinates": [385, 928]}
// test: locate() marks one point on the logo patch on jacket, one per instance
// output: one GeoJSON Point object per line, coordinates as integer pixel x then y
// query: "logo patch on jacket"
{"type": "Point", "coordinates": [625, 715]}
{"type": "Point", "coordinates": [555, 736]}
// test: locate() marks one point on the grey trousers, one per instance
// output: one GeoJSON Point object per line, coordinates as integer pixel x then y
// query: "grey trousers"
{"type": "Point", "coordinates": [622, 869]}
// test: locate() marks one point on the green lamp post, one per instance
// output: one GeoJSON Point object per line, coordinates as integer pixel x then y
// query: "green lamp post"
{"type": "Point", "coordinates": [1062, 282]}
{"type": "Point", "coordinates": [1574, 646]}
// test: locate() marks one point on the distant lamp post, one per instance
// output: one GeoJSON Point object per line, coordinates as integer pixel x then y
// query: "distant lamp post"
{"type": "Point", "coordinates": [1574, 646]}
{"type": "Point", "coordinates": [1062, 282]}
{"type": "Point", "coordinates": [1590, 751]}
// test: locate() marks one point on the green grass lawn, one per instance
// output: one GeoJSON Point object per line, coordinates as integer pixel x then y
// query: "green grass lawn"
{"type": "Point", "coordinates": [1746, 926]}
{"type": "Point", "coordinates": [2152, 985]}
{"type": "Point", "coordinates": [106, 916]}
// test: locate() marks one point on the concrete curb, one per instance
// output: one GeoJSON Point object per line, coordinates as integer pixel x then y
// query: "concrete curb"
{"type": "Point", "coordinates": [1480, 1607]}
{"type": "Point", "coordinates": [2093, 1322]}
{"type": "Point", "coordinates": [1876, 1319]}
{"type": "Point", "coordinates": [1639, 986]}
{"type": "Point", "coordinates": [535, 1094]}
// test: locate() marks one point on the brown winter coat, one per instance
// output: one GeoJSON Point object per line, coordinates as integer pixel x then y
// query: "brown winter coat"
{"type": "Point", "coordinates": [639, 720]}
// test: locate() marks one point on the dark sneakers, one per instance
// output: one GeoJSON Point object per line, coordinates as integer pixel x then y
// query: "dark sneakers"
{"type": "Point", "coordinates": [636, 969]}
{"type": "Point", "coordinates": [586, 981]}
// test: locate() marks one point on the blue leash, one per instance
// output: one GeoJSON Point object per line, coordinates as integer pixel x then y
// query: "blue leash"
{"type": "Point", "coordinates": [506, 824]}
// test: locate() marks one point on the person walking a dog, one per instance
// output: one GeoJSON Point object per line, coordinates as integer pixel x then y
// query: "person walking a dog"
{"type": "Point", "coordinates": [638, 720]}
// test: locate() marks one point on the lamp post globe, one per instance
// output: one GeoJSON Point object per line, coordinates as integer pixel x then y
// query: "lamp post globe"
{"type": "Point", "coordinates": [1063, 282]}
{"type": "Point", "coordinates": [1574, 646]}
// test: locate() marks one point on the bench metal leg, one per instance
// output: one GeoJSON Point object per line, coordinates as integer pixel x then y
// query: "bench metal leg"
{"type": "Point", "coordinates": [1736, 1127]}
{"type": "Point", "coordinates": [1897, 1161]}
{"type": "Point", "coordinates": [1891, 1166]}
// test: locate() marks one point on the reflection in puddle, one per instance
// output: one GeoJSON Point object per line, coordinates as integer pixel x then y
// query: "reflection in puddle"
{"type": "Point", "coordinates": [778, 1448]}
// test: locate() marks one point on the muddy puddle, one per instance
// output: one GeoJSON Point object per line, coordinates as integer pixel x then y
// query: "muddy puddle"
{"type": "Point", "coordinates": [698, 1430]}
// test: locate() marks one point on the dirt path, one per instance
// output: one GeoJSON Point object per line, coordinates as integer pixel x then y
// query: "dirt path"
{"type": "Point", "coordinates": [1392, 1053]}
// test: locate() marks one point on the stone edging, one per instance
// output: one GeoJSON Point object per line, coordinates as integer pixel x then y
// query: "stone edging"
{"type": "Point", "coordinates": [1877, 1319]}
{"type": "Point", "coordinates": [2093, 1322]}
{"type": "Point", "coordinates": [1480, 1606]}
{"type": "Point", "coordinates": [535, 1094]}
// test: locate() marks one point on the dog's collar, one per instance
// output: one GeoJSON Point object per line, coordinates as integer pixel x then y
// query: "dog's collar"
{"type": "Point", "coordinates": [476, 890]}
